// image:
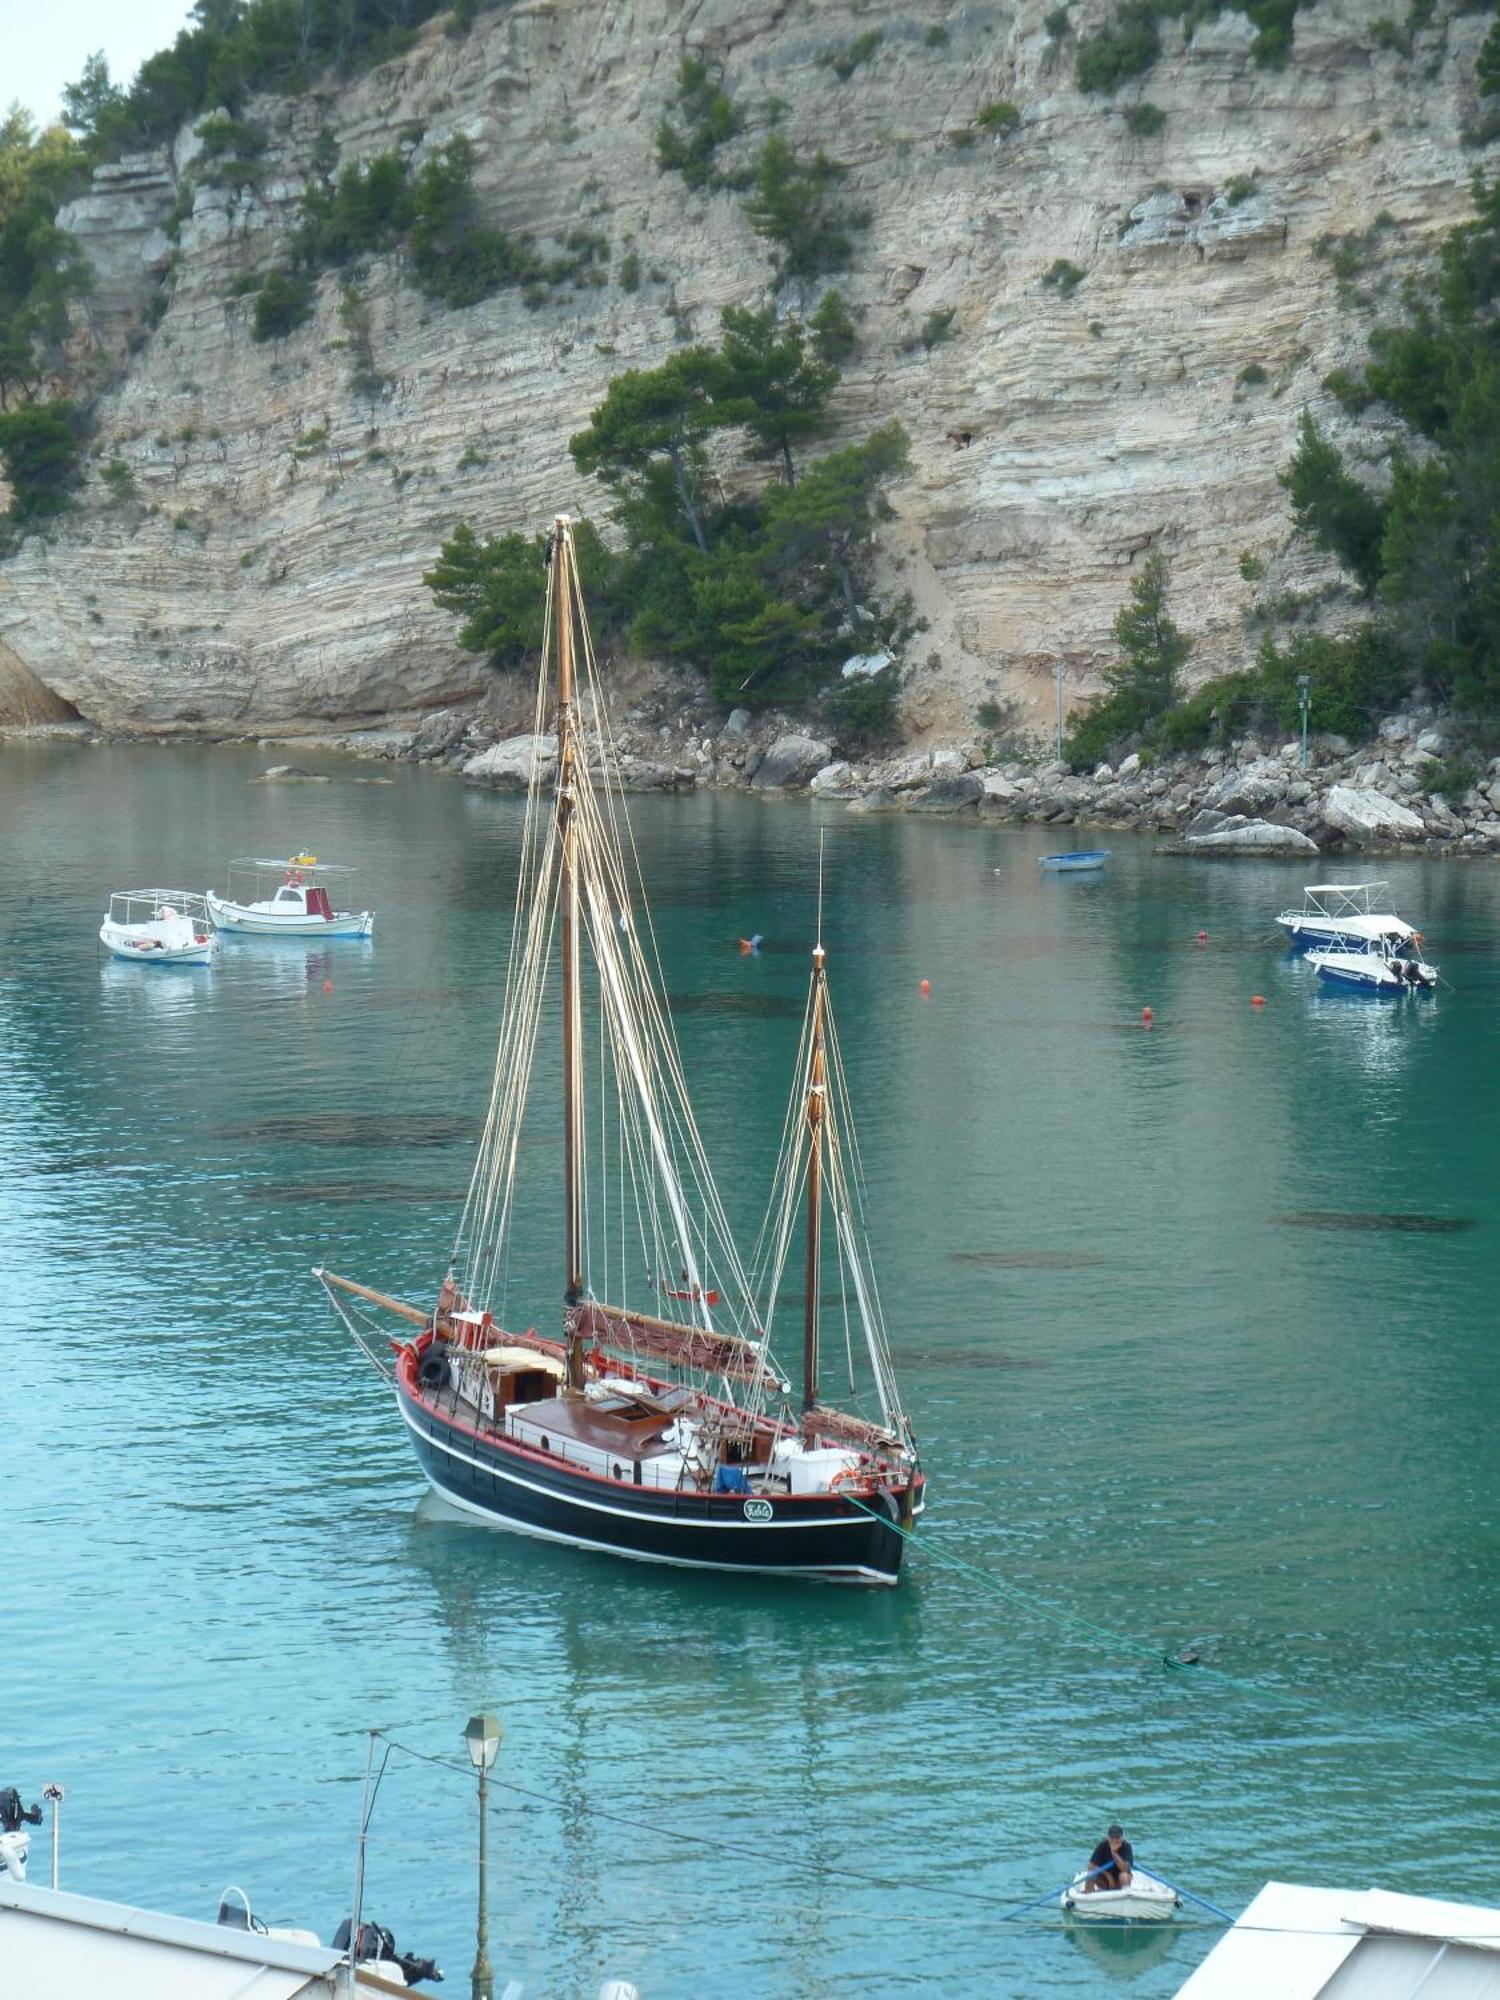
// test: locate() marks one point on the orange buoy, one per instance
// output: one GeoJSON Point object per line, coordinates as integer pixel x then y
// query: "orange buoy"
{"type": "Point", "coordinates": [1203, 937]}
{"type": "Point", "coordinates": [1147, 1017]}
{"type": "Point", "coordinates": [327, 985]}
{"type": "Point", "coordinates": [1257, 999]}
{"type": "Point", "coordinates": [924, 987]}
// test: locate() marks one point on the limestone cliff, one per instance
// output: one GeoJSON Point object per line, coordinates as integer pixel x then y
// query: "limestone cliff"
{"type": "Point", "coordinates": [266, 572]}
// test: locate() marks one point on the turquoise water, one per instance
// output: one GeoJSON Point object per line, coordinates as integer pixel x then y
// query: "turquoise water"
{"type": "Point", "coordinates": [1157, 1390]}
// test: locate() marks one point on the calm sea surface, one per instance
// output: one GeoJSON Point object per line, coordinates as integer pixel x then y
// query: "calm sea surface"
{"type": "Point", "coordinates": [1160, 1393]}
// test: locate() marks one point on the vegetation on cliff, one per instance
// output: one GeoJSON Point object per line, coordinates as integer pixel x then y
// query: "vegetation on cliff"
{"type": "Point", "coordinates": [763, 585]}
{"type": "Point", "coordinates": [1422, 549]}
{"type": "Point", "coordinates": [232, 49]}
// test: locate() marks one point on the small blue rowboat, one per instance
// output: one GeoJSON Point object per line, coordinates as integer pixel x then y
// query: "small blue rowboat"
{"type": "Point", "coordinates": [1067, 864]}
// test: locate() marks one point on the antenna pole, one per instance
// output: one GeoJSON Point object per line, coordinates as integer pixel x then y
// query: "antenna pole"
{"type": "Point", "coordinates": [572, 1007]}
{"type": "Point", "coordinates": [359, 1862]}
{"type": "Point", "coordinates": [816, 1107]}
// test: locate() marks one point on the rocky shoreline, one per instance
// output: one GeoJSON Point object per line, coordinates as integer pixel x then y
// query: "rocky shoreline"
{"type": "Point", "coordinates": [1244, 798]}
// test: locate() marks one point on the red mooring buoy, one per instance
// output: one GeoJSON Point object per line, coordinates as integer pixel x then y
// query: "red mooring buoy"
{"type": "Point", "coordinates": [924, 987]}
{"type": "Point", "coordinates": [1203, 937]}
{"type": "Point", "coordinates": [1257, 999]}
{"type": "Point", "coordinates": [1147, 1017]}
{"type": "Point", "coordinates": [327, 985]}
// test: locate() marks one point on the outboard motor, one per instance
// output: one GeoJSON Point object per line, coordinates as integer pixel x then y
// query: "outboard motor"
{"type": "Point", "coordinates": [377, 1945]}
{"type": "Point", "coordinates": [15, 1842]}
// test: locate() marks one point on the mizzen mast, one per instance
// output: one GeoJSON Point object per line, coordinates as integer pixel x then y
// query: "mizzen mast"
{"type": "Point", "coordinates": [564, 591]}
{"type": "Point", "coordinates": [814, 1111]}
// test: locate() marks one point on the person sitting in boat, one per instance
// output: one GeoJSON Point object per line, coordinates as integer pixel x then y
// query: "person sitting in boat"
{"type": "Point", "coordinates": [1112, 1862]}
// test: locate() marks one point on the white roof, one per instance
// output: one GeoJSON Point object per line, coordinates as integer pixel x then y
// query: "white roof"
{"type": "Point", "coordinates": [1352, 1944]}
{"type": "Point", "coordinates": [55, 1943]}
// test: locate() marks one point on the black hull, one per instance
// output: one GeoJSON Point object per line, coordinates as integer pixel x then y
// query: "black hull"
{"type": "Point", "coordinates": [511, 1487]}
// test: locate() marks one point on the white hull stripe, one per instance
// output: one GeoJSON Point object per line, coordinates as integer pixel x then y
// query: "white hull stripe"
{"type": "Point", "coordinates": [623, 1513]}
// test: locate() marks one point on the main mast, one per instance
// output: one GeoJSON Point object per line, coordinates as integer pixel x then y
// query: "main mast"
{"type": "Point", "coordinates": [817, 1095]}
{"type": "Point", "coordinates": [563, 586]}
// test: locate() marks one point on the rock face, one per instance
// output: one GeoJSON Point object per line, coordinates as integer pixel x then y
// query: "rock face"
{"type": "Point", "coordinates": [289, 496]}
{"type": "Point", "coordinates": [1370, 818]}
{"type": "Point", "coordinates": [791, 761]}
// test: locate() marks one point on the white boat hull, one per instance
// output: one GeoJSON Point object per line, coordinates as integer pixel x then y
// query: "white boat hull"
{"type": "Point", "coordinates": [141, 944]}
{"type": "Point", "coordinates": [1146, 1901]}
{"type": "Point", "coordinates": [250, 922]}
{"type": "Point", "coordinates": [1369, 972]}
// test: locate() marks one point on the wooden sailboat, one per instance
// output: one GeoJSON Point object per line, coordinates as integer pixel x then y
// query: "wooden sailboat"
{"type": "Point", "coordinates": [656, 1423]}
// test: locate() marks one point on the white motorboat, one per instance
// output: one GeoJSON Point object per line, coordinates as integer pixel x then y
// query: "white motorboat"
{"type": "Point", "coordinates": [287, 899]}
{"type": "Point", "coordinates": [1145, 1900]}
{"type": "Point", "coordinates": [159, 927]}
{"type": "Point", "coordinates": [1381, 965]}
{"type": "Point", "coordinates": [1332, 911]}
{"type": "Point", "coordinates": [377, 1953]}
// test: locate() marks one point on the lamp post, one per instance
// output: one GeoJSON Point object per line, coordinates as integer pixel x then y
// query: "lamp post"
{"type": "Point", "coordinates": [54, 1796]}
{"type": "Point", "coordinates": [1304, 695]}
{"type": "Point", "coordinates": [482, 1740]}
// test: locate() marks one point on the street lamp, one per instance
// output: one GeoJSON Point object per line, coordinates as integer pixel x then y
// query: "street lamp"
{"type": "Point", "coordinates": [1304, 695]}
{"type": "Point", "coordinates": [482, 1740]}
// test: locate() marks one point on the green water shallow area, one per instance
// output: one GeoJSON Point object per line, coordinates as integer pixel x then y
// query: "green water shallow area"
{"type": "Point", "coordinates": [1195, 1323]}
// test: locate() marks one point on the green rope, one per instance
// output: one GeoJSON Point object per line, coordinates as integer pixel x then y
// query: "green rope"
{"type": "Point", "coordinates": [1026, 1600]}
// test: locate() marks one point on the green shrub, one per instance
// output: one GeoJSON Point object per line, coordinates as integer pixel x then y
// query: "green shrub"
{"type": "Point", "coordinates": [1145, 120]}
{"type": "Point", "coordinates": [1058, 23]}
{"type": "Point", "coordinates": [630, 272]}
{"type": "Point", "coordinates": [936, 36]}
{"type": "Point", "coordinates": [709, 118]}
{"type": "Point", "coordinates": [999, 117]}
{"type": "Point", "coordinates": [284, 302]}
{"type": "Point", "coordinates": [1115, 54]}
{"type": "Point", "coordinates": [792, 205]}
{"type": "Point", "coordinates": [1251, 568]}
{"type": "Point", "coordinates": [1252, 376]}
{"type": "Point", "coordinates": [844, 62]}
{"type": "Point", "coordinates": [119, 480]}
{"type": "Point", "coordinates": [865, 710]}
{"type": "Point", "coordinates": [40, 445]}
{"type": "Point", "coordinates": [1451, 776]}
{"type": "Point", "coordinates": [1239, 188]}
{"type": "Point", "coordinates": [938, 327]}
{"type": "Point", "coordinates": [1063, 277]}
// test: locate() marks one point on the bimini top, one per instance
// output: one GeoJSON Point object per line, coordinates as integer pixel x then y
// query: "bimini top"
{"type": "Point", "coordinates": [1369, 930]}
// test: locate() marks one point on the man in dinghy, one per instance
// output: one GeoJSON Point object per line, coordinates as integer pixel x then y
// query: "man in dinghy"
{"type": "Point", "coordinates": [1111, 1863]}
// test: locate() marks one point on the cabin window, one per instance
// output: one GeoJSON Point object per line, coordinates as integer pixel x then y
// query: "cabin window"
{"type": "Point", "coordinates": [546, 1444]}
{"type": "Point", "coordinates": [619, 1471]}
{"type": "Point", "coordinates": [288, 896]}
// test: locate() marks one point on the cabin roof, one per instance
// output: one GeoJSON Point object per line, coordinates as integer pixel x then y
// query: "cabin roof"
{"type": "Point", "coordinates": [1352, 1944]}
{"type": "Point", "coordinates": [55, 1942]}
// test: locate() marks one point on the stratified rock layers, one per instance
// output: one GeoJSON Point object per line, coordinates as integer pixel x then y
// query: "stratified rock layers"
{"type": "Point", "coordinates": [266, 573]}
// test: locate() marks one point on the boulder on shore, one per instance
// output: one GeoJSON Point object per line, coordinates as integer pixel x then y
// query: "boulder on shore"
{"type": "Point", "coordinates": [509, 766]}
{"type": "Point", "coordinates": [791, 762]}
{"type": "Point", "coordinates": [1366, 816]}
{"type": "Point", "coordinates": [1250, 836]}
{"type": "Point", "coordinates": [949, 795]}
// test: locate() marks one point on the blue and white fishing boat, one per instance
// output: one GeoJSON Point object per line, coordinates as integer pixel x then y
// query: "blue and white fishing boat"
{"type": "Point", "coordinates": [1335, 911]}
{"type": "Point", "coordinates": [1380, 965]}
{"type": "Point", "coordinates": [1075, 862]}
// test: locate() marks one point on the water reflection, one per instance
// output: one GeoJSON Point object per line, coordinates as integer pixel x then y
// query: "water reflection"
{"type": "Point", "coordinates": [1125, 1950]}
